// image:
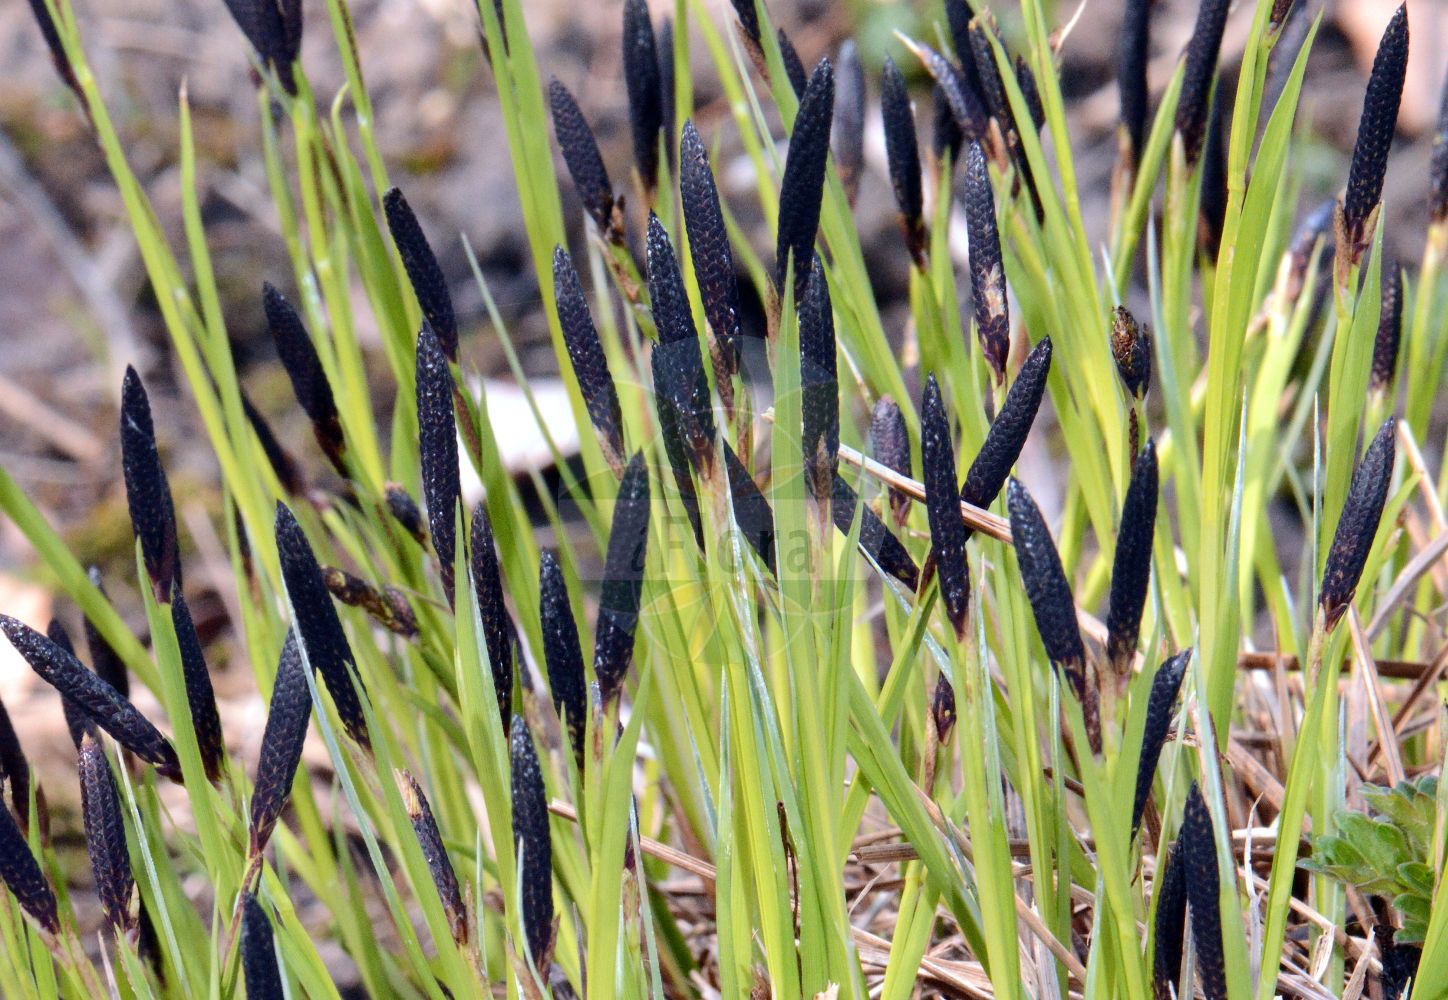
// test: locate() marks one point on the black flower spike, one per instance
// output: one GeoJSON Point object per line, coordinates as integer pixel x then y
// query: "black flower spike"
{"type": "Point", "coordinates": [288, 472]}
{"type": "Point", "coordinates": [274, 29]}
{"type": "Point", "coordinates": [532, 845]}
{"type": "Point", "coordinates": [1164, 688]}
{"type": "Point", "coordinates": [200, 697]}
{"type": "Point", "coordinates": [1375, 132]}
{"type": "Point", "coordinates": [437, 448]}
{"type": "Point", "coordinates": [875, 539]}
{"type": "Point", "coordinates": [677, 453]}
{"type": "Point", "coordinates": [847, 140]}
{"type": "Point", "coordinates": [76, 720]}
{"type": "Point", "coordinates": [405, 512]}
{"type": "Point", "coordinates": [819, 383]}
{"type": "Point", "coordinates": [107, 663]}
{"type": "Point", "coordinates": [493, 610]}
{"type": "Point", "coordinates": [903, 154]}
{"type": "Point", "coordinates": [14, 768]}
{"type": "Point", "coordinates": [584, 162]}
{"type": "Point", "coordinates": [665, 48]}
{"type": "Point", "coordinates": [751, 510]}
{"type": "Point", "coordinates": [1026, 80]}
{"type": "Point", "coordinates": [1131, 347]}
{"type": "Point", "coordinates": [988, 77]}
{"type": "Point", "coordinates": [1390, 327]}
{"type": "Point", "coordinates": [562, 653]}
{"type": "Point", "coordinates": [258, 953]}
{"type": "Point", "coordinates": [709, 246]}
{"type": "Point", "coordinates": [1170, 927]}
{"type": "Point", "coordinates": [946, 138]}
{"type": "Point", "coordinates": [422, 271]}
{"type": "Point", "coordinates": [1051, 602]}
{"type": "Point", "coordinates": [388, 606]}
{"type": "Point", "coordinates": [645, 95]}
{"type": "Point", "coordinates": [1008, 431]}
{"type": "Point", "coordinates": [1201, 66]}
{"type": "Point", "coordinates": [585, 353]}
{"type": "Point", "coordinates": [1131, 568]}
{"type": "Point", "coordinates": [57, 48]}
{"type": "Point", "coordinates": [987, 270]}
{"type": "Point", "coordinates": [153, 516]}
{"type": "Point", "coordinates": [1213, 211]}
{"type": "Point", "coordinates": [22, 876]}
{"type": "Point", "coordinates": [942, 507]}
{"type": "Point", "coordinates": [1438, 165]}
{"type": "Point", "coordinates": [324, 644]}
{"type": "Point", "coordinates": [890, 446]}
{"type": "Point", "coordinates": [429, 838]}
{"type": "Point", "coordinates": [287, 718]}
{"type": "Point", "coordinates": [105, 835]}
{"type": "Point", "coordinates": [623, 579]}
{"type": "Point", "coordinates": [960, 92]}
{"type": "Point", "coordinates": [1357, 526]}
{"type": "Point", "coordinates": [749, 28]}
{"type": "Point", "coordinates": [678, 364]}
{"type": "Point", "coordinates": [1131, 63]}
{"type": "Point", "coordinates": [304, 368]}
{"type": "Point", "coordinates": [793, 64]}
{"type": "Point", "coordinates": [802, 187]}
{"type": "Point", "coordinates": [1198, 845]}
{"type": "Point", "coordinates": [942, 708]}
{"type": "Point", "coordinates": [96, 698]}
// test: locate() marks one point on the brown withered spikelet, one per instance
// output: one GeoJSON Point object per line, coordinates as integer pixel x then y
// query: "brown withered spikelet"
{"type": "Point", "coordinates": [200, 698]}
{"type": "Point", "coordinates": [51, 35]}
{"type": "Point", "coordinates": [1198, 845]}
{"type": "Point", "coordinates": [1202, 54]}
{"type": "Point", "coordinates": [562, 653]}
{"type": "Point", "coordinates": [287, 718]}
{"type": "Point", "coordinates": [1164, 687]}
{"type": "Point", "coordinates": [492, 609]}
{"type": "Point", "coordinates": [942, 708]}
{"type": "Point", "coordinates": [532, 845]}
{"type": "Point", "coordinates": [987, 268]}
{"type": "Point", "coordinates": [258, 953]}
{"type": "Point", "coordinates": [274, 29]}
{"type": "Point", "coordinates": [819, 383]}
{"type": "Point", "coordinates": [890, 446]}
{"type": "Point", "coordinates": [429, 838]}
{"type": "Point", "coordinates": [623, 578]}
{"type": "Point", "coordinates": [1170, 925]}
{"type": "Point", "coordinates": [709, 246]}
{"type": "Point", "coordinates": [875, 539]}
{"type": "Point", "coordinates": [437, 449]}
{"type": "Point", "coordinates": [802, 186]}
{"type": "Point", "coordinates": [1375, 132]}
{"type": "Point", "coordinates": [1357, 525]}
{"type": "Point", "coordinates": [942, 507]}
{"type": "Point", "coordinates": [1131, 348]}
{"type": "Point", "coordinates": [1132, 59]}
{"type": "Point", "coordinates": [1438, 164]}
{"type": "Point", "coordinates": [902, 152]}
{"type": "Point", "coordinates": [946, 137]}
{"type": "Point", "coordinates": [793, 64]}
{"type": "Point", "coordinates": [584, 162]}
{"type": "Point", "coordinates": [388, 606]}
{"type": "Point", "coordinates": [75, 719]}
{"type": "Point", "coordinates": [751, 510]}
{"type": "Point", "coordinates": [299, 358]}
{"type": "Point", "coordinates": [22, 876]}
{"type": "Point", "coordinates": [97, 699]}
{"type": "Point", "coordinates": [585, 353]}
{"type": "Point", "coordinates": [645, 95]}
{"type": "Point", "coordinates": [404, 511]}
{"type": "Point", "coordinates": [1390, 327]}
{"type": "Point", "coordinates": [677, 362]}
{"type": "Point", "coordinates": [148, 495]}
{"type": "Point", "coordinates": [107, 663]}
{"type": "Point", "coordinates": [105, 834]}
{"type": "Point", "coordinates": [1008, 431]}
{"type": "Point", "coordinates": [749, 28]}
{"type": "Point", "coordinates": [323, 644]}
{"type": "Point", "coordinates": [422, 270]}
{"type": "Point", "coordinates": [14, 768]}
{"type": "Point", "coordinates": [288, 472]}
{"type": "Point", "coordinates": [847, 140]}
{"type": "Point", "coordinates": [1131, 566]}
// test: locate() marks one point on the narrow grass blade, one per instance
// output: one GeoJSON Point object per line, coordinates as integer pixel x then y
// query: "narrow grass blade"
{"type": "Point", "coordinates": [801, 189]}
{"type": "Point", "coordinates": [105, 835]}
{"type": "Point", "coordinates": [848, 134]}
{"type": "Point", "coordinates": [1357, 526]}
{"type": "Point", "coordinates": [57, 48]}
{"type": "Point", "coordinates": [1008, 431]}
{"type": "Point", "coordinates": [709, 246]}
{"type": "Point", "coordinates": [584, 162]}
{"type": "Point", "coordinates": [22, 876]}
{"type": "Point", "coordinates": [987, 270]}
{"type": "Point", "coordinates": [1202, 54]}
{"type": "Point", "coordinates": [1131, 565]}
{"type": "Point", "coordinates": [585, 352]}
{"type": "Point", "coordinates": [533, 845]}
{"type": "Point", "coordinates": [942, 506]}
{"type": "Point", "coordinates": [498, 629]}
{"type": "Point", "coordinates": [623, 577]}
{"type": "Point", "coordinates": [287, 718]}
{"type": "Point", "coordinates": [1198, 846]}
{"type": "Point", "coordinates": [437, 448]}
{"type": "Point", "coordinates": [645, 93]}
{"type": "Point", "coordinates": [258, 953]}
{"type": "Point", "coordinates": [429, 838]}
{"type": "Point", "coordinates": [1159, 703]}
{"type": "Point", "coordinates": [200, 698]}
{"type": "Point", "coordinates": [148, 495]}
{"type": "Point", "coordinates": [902, 153]}
{"type": "Point", "coordinates": [562, 653]}
{"type": "Point", "coordinates": [1375, 133]}
{"type": "Point", "coordinates": [298, 356]}
{"type": "Point", "coordinates": [890, 446]}
{"type": "Point", "coordinates": [422, 270]}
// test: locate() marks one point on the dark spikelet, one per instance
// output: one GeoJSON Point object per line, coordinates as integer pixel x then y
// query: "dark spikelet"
{"type": "Point", "coordinates": [492, 609]}
{"type": "Point", "coordinates": [437, 448]}
{"type": "Point", "coordinates": [1131, 347]}
{"type": "Point", "coordinates": [22, 876]}
{"type": "Point", "coordinates": [819, 383]}
{"type": "Point", "coordinates": [585, 353]}
{"type": "Point", "coordinates": [562, 653]}
{"type": "Point", "coordinates": [1164, 688]}
{"type": "Point", "coordinates": [288, 472]}
{"type": "Point", "coordinates": [645, 94]}
{"type": "Point", "coordinates": [802, 186]}
{"type": "Point", "coordinates": [96, 698]}
{"type": "Point", "coordinates": [105, 834]}
{"type": "Point", "coordinates": [793, 64]}
{"type": "Point", "coordinates": [1438, 164]}
{"type": "Point", "coordinates": [532, 844]}
{"type": "Point", "coordinates": [388, 606]}
{"type": "Point", "coordinates": [847, 139]}
{"type": "Point", "coordinates": [153, 517]}
{"type": "Point", "coordinates": [988, 77]}
{"type": "Point", "coordinates": [1281, 9]}
{"type": "Point", "coordinates": [1375, 131]}
{"type": "Point", "coordinates": [1132, 58]}
{"type": "Point", "coordinates": [52, 42]}
{"type": "Point", "coordinates": [200, 698]}
{"type": "Point", "coordinates": [749, 27]}
{"type": "Point", "coordinates": [677, 453]}
{"type": "Point", "coordinates": [405, 512]}
{"type": "Point", "coordinates": [942, 507]}
{"type": "Point", "coordinates": [422, 271]}
{"type": "Point", "coordinates": [709, 246]}
{"type": "Point", "coordinates": [14, 768]}
{"type": "Point", "coordinates": [1170, 926]}
{"type": "Point", "coordinates": [319, 630]}
{"type": "Point", "coordinates": [902, 152]}
{"type": "Point", "coordinates": [946, 137]}
{"type": "Point", "coordinates": [309, 382]}
{"type": "Point", "coordinates": [1026, 80]}
{"type": "Point", "coordinates": [751, 510]}
{"type": "Point", "coordinates": [274, 29]}
{"type": "Point", "coordinates": [107, 663]}
{"type": "Point", "coordinates": [1201, 66]}
{"type": "Point", "coordinates": [678, 363]}
{"type": "Point", "coordinates": [1213, 212]}
{"type": "Point", "coordinates": [1356, 528]}
{"type": "Point", "coordinates": [1131, 567]}
{"type": "Point", "coordinates": [281, 744]}
{"type": "Point", "coordinates": [258, 953]}
{"type": "Point", "coordinates": [875, 539]}
{"type": "Point", "coordinates": [1390, 327]}
{"type": "Point", "coordinates": [942, 708]}
{"type": "Point", "coordinates": [1008, 431]}
{"type": "Point", "coordinates": [890, 446]}
{"type": "Point", "coordinates": [429, 838]}
{"type": "Point", "coordinates": [581, 155]}
{"type": "Point", "coordinates": [1316, 225]}
{"type": "Point", "coordinates": [987, 270]}
{"type": "Point", "coordinates": [958, 15]}
{"type": "Point", "coordinates": [75, 719]}
{"type": "Point", "coordinates": [1198, 845]}
{"type": "Point", "coordinates": [665, 48]}
{"type": "Point", "coordinates": [623, 579]}
{"type": "Point", "coordinates": [960, 92]}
